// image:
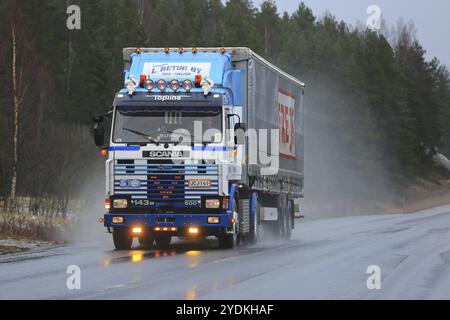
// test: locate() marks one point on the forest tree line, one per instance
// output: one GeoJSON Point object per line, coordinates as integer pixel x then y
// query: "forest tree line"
{"type": "Point", "coordinates": [377, 92]}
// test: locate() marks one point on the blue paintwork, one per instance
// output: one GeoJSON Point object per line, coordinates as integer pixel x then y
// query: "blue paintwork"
{"type": "Point", "coordinates": [181, 220]}
{"type": "Point", "coordinates": [210, 148]}
{"type": "Point", "coordinates": [232, 189]}
{"type": "Point", "coordinates": [124, 148]}
{"type": "Point", "coordinates": [253, 205]}
{"type": "Point", "coordinates": [232, 81]}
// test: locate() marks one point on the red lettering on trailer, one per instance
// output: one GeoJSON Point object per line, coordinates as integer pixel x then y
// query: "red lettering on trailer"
{"type": "Point", "coordinates": [286, 124]}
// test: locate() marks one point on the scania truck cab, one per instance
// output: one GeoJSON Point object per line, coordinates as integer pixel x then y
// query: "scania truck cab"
{"type": "Point", "coordinates": [185, 148]}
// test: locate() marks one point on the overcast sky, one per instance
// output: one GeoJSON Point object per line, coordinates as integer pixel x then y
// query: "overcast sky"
{"type": "Point", "coordinates": [431, 17]}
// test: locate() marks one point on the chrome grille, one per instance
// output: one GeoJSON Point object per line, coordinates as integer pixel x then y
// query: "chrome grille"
{"type": "Point", "coordinates": [163, 182]}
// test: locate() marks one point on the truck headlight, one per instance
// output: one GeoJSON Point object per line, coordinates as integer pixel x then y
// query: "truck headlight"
{"type": "Point", "coordinates": [212, 203]}
{"type": "Point", "coordinates": [117, 219]}
{"type": "Point", "coordinates": [213, 220]}
{"type": "Point", "coordinates": [120, 203]}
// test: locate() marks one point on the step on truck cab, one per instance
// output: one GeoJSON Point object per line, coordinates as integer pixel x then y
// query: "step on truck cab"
{"type": "Point", "coordinates": [204, 142]}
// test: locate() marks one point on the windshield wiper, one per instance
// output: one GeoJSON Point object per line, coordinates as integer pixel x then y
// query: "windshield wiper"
{"type": "Point", "coordinates": [147, 136]}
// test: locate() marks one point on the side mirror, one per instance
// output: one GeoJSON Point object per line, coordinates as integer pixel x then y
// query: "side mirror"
{"type": "Point", "coordinates": [99, 131]}
{"type": "Point", "coordinates": [239, 133]}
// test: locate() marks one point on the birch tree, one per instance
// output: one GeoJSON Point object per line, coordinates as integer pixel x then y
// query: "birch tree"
{"type": "Point", "coordinates": [18, 92]}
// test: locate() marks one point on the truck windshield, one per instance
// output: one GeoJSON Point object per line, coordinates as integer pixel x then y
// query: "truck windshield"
{"type": "Point", "coordinates": [167, 124]}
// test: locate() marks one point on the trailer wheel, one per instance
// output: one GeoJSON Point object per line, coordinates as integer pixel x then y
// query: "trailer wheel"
{"type": "Point", "coordinates": [122, 239]}
{"type": "Point", "coordinates": [230, 240]}
{"type": "Point", "coordinates": [163, 241]}
{"type": "Point", "coordinates": [288, 221]}
{"type": "Point", "coordinates": [255, 230]}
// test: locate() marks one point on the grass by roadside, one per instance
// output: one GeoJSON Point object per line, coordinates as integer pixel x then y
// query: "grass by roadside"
{"type": "Point", "coordinates": [42, 227]}
{"type": "Point", "coordinates": [423, 195]}
{"type": "Point", "coordinates": [23, 232]}
{"type": "Point", "coordinates": [10, 244]}
{"type": "Point", "coordinates": [10, 249]}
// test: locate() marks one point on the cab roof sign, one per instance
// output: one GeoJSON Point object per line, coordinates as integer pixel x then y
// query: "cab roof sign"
{"type": "Point", "coordinates": [173, 70]}
{"type": "Point", "coordinates": [160, 65]}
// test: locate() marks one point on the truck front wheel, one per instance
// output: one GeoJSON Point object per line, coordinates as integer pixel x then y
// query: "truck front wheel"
{"type": "Point", "coordinates": [227, 240]}
{"type": "Point", "coordinates": [122, 239]}
{"type": "Point", "coordinates": [230, 240]}
{"type": "Point", "coordinates": [163, 241]}
{"type": "Point", "coordinates": [147, 241]}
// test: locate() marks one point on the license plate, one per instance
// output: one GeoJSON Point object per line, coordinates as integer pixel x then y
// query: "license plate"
{"type": "Point", "coordinates": [199, 183]}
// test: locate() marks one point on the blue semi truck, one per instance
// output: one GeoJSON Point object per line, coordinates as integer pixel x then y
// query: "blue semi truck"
{"type": "Point", "coordinates": [203, 142]}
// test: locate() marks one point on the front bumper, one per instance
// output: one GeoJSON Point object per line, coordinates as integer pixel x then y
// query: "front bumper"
{"type": "Point", "coordinates": [167, 220]}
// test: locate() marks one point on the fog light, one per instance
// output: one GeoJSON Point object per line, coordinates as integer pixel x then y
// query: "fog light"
{"type": "Point", "coordinates": [161, 85]}
{"type": "Point", "coordinates": [214, 220]}
{"type": "Point", "coordinates": [136, 230]}
{"type": "Point", "coordinates": [212, 203]}
{"type": "Point", "coordinates": [117, 220]}
{"type": "Point", "coordinates": [174, 85]}
{"type": "Point", "coordinates": [149, 84]}
{"type": "Point", "coordinates": [193, 230]}
{"type": "Point", "coordinates": [120, 203]}
{"type": "Point", "coordinates": [187, 85]}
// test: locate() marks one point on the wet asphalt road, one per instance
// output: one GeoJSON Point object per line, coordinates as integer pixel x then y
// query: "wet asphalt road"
{"type": "Point", "coordinates": [325, 259]}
